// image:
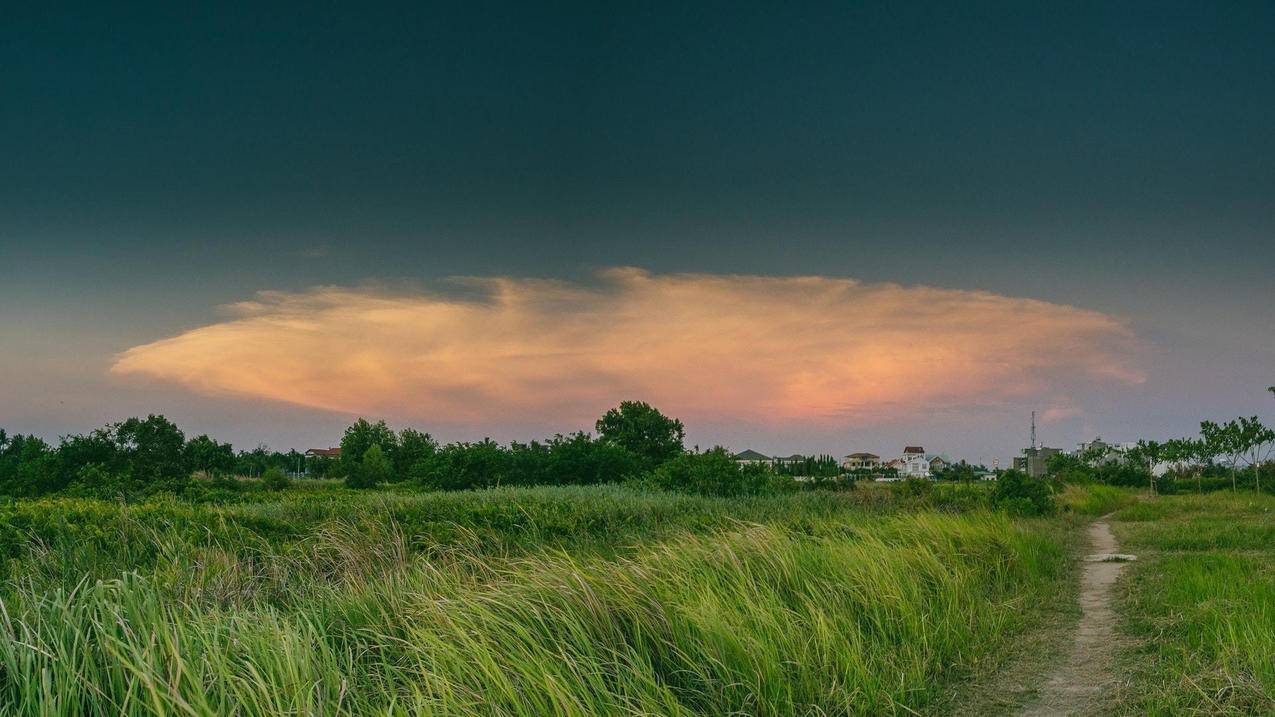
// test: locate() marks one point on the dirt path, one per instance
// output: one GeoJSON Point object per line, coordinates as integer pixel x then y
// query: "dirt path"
{"type": "Point", "coordinates": [1082, 681]}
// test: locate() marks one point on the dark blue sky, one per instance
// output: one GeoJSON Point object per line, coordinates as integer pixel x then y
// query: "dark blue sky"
{"type": "Point", "coordinates": [160, 161]}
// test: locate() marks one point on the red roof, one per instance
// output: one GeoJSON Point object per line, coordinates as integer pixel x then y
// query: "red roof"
{"type": "Point", "coordinates": [324, 452]}
{"type": "Point", "coordinates": [914, 449]}
{"type": "Point", "coordinates": [863, 455]}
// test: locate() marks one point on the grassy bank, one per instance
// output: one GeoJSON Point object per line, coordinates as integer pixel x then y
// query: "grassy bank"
{"type": "Point", "coordinates": [562, 601]}
{"type": "Point", "coordinates": [1201, 604]}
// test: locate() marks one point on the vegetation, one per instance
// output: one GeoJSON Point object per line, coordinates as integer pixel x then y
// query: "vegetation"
{"type": "Point", "coordinates": [364, 602]}
{"type": "Point", "coordinates": [1201, 604]}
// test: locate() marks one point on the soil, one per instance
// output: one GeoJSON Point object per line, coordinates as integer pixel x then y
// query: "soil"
{"type": "Point", "coordinates": [1084, 681]}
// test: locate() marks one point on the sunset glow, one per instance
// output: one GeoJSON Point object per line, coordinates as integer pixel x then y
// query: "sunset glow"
{"type": "Point", "coordinates": [812, 349]}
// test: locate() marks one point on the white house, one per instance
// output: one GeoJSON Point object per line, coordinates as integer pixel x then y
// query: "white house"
{"type": "Point", "coordinates": [914, 464]}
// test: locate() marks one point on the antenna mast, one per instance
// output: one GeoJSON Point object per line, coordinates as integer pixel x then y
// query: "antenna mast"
{"type": "Point", "coordinates": [1033, 430]}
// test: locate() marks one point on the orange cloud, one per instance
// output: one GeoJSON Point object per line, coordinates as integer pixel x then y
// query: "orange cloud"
{"type": "Point", "coordinates": [751, 347]}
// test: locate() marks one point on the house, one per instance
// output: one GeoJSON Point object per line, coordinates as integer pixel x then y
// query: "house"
{"type": "Point", "coordinates": [751, 457]}
{"type": "Point", "coordinates": [938, 463]}
{"type": "Point", "coordinates": [914, 463]}
{"type": "Point", "coordinates": [892, 470]}
{"type": "Point", "coordinates": [861, 461]}
{"type": "Point", "coordinates": [324, 452]}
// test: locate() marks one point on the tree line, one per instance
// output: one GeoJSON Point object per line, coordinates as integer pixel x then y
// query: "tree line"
{"type": "Point", "coordinates": [138, 457]}
{"type": "Point", "coordinates": [1244, 446]}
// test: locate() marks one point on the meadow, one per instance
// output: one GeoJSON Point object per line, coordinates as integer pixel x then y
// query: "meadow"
{"type": "Point", "coordinates": [1199, 604]}
{"type": "Point", "coordinates": [575, 601]}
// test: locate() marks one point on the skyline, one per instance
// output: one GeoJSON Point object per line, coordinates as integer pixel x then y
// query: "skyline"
{"type": "Point", "coordinates": [1109, 168]}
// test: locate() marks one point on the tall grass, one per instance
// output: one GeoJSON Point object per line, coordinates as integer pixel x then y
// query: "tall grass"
{"type": "Point", "coordinates": [832, 614]}
{"type": "Point", "coordinates": [1201, 601]}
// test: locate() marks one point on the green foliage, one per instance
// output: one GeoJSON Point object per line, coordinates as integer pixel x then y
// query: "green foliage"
{"type": "Point", "coordinates": [414, 450]}
{"type": "Point", "coordinates": [371, 471]}
{"type": "Point", "coordinates": [913, 488]}
{"type": "Point", "coordinates": [360, 437]}
{"type": "Point", "coordinates": [275, 479]}
{"type": "Point", "coordinates": [642, 430]}
{"type": "Point", "coordinates": [1020, 494]}
{"type": "Point", "coordinates": [716, 473]}
{"type": "Point", "coordinates": [346, 619]}
{"type": "Point", "coordinates": [213, 458]}
{"type": "Point", "coordinates": [153, 451]}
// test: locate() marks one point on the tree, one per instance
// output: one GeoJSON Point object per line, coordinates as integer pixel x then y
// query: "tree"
{"type": "Point", "coordinates": [414, 448]}
{"type": "Point", "coordinates": [963, 472]}
{"type": "Point", "coordinates": [205, 454]}
{"type": "Point", "coordinates": [152, 449]}
{"type": "Point", "coordinates": [1255, 443]}
{"type": "Point", "coordinates": [1150, 453]}
{"type": "Point", "coordinates": [644, 431]}
{"type": "Point", "coordinates": [373, 470]}
{"type": "Point", "coordinates": [1223, 440]}
{"type": "Point", "coordinates": [361, 436]}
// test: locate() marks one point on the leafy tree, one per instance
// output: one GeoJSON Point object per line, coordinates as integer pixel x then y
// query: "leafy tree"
{"type": "Point", "coordinates": [153, 450]}
{"type": "Point", "coordinates": [460, 466]}
{"type": "Point", "coordinates": [414, 448]}
{"type": "Point", "coordinates": [1147, 453]}
{"type": "Point", "coordinates": [641, 429]}
{"type": "Point", "coordinates": [375, 468]}
{"type": "Point", "coordinates": [205, 454]}
{"type": "Point", "coordinates": [27, 466]}
{"type": "Point", "coordinates": [275, 478]}
{"type": "Point", "coordinates": [361, 436]}
{"type": "Point", "coordinates": [579, 459]}
{"type": "Point", "coordinates": [1255, 442]}
{"type": "Point", "coordinates": [1224, 440]}
{"type": "Point", "coordinates": [1178, 451]}
{"type": "Point", "coordinates": [99, 448]}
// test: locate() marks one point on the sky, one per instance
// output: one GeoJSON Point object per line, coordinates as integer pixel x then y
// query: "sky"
{"type": "Point", "coordinates": [816, 228]}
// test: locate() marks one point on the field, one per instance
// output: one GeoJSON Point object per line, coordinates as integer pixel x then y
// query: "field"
{"type": "Point", "coordinates": [614, 601]}
{"type": "Point", "coordinates": [529, 601]}
{"type": "Point", "coordinates": [1199, 605]}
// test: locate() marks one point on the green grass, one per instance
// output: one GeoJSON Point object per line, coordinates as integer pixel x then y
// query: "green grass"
{"type": "Point", "coordinates": [1201, 603]}
{"type": "Point", "coordinates": [518, 602]}
{"type": "Point", "coordinates": [1095, 500]}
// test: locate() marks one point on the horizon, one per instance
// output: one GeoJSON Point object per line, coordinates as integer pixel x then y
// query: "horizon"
{"type": "Point", "coordinates": [799, 230]}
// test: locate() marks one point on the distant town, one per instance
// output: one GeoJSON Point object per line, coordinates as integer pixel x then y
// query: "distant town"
{"type": "Point", "coordinates": [915, 462]}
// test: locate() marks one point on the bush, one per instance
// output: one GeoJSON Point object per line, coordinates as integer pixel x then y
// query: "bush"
{"type": "Point", "coordinates": [1020, 494]}
{"type": "Point", "coordinates": [716, 473]}
{"type": "Point", "coordinates": [913, 488]}
{"type": "Point", "coordinates": [275, 479]}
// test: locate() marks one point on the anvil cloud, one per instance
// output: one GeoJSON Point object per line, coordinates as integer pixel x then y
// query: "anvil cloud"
{"type": "Point", "coordinates": [757, 348]}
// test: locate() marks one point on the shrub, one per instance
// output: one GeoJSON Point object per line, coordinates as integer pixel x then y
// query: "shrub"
{"type": "Point", "coordinates": [913, 488]}
{"type": "Point", "coordinates": [1020, 494]}
{"type": "Point", "coordinates": [716, 473]}
{"type": "Point", "coordinates": [275, 479]}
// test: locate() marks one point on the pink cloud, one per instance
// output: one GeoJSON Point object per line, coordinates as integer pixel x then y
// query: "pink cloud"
{"type": "Point", "coordinates": [770, 349]}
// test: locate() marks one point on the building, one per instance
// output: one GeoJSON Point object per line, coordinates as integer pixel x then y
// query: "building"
{"type": "Point", "coordinates": [914, 464]}
{"type": "Point", "coordinates": [324, 452]}
{"type": "Point", "coordinates": [938, 463]}
{"type": "Point", "coordinates": [861, 461]}
{"type": "Point", "coordinates": [1034, 460]}
{"type": "Point", "coordinates": [751, 457]}
{"type": "Point", "coordinates": [1099, 451]}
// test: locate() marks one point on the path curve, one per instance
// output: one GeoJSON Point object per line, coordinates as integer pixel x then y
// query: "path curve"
{"type": "Point", "coordinates": [1084, 680]}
